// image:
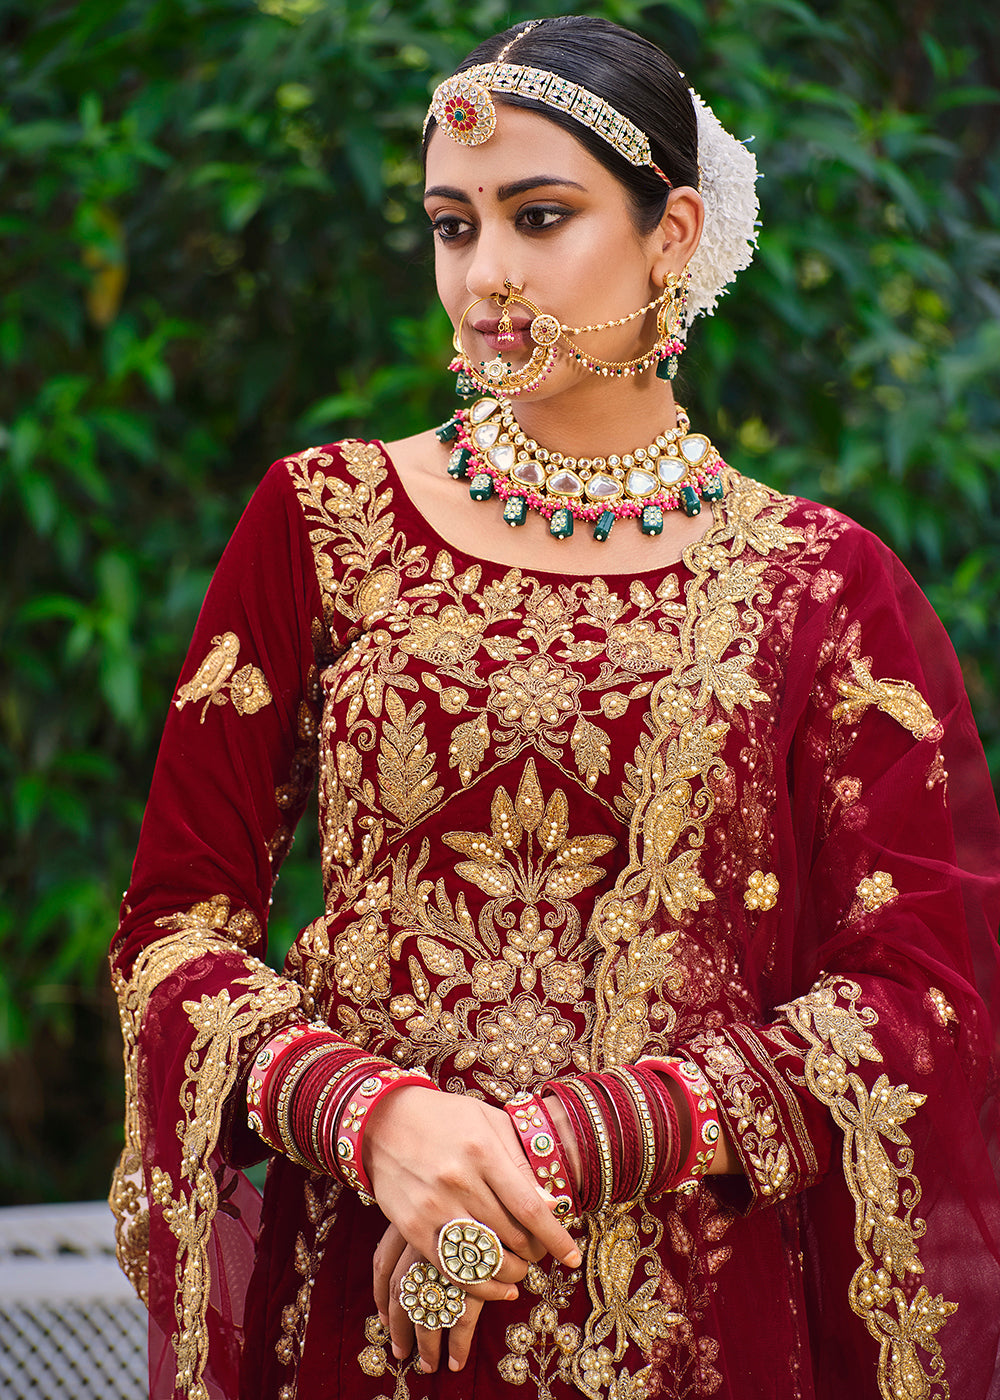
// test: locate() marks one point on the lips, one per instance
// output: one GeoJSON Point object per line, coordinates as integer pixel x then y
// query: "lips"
{"type": "Point", "coordinates": [489, 330]}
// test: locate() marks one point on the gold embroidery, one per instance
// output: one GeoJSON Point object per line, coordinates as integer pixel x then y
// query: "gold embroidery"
{"type": "Point", "coordinates": [248, 688]}
{"type": "Point", "coordinates": [321, 1197]}
{"type": "Point", "coordinates": [876, 891]}
{"type": "Point", "coordinates": [212, 916]}
{"type": "Point", "coordinates": [375, 1360]}
{"type": "Point", "coordinates": [406, 771]}
{"type": "Point", "coordinates": [220, 1026]}
{"type": "Point", "coordinates": [886, 1192]}
{"type": "Point", "coordinates": [761, 891]}
{"type": "Point", "coordinates": [621, 1248]}
{"type": "Point", "coordinates": [529, 859]}
{"type": "Point", "coordinates": [542, 1348]}
{"type": "Point", "coordinates": [941, 1007]}
{"type": "Point", "coordinates": [900, 699]}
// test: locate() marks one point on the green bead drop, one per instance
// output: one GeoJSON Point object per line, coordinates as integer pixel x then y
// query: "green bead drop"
{"type": "Point", "coordinates": [481, 486]}
{"type": "Point", "coordinates": [603, 527]}
{"type": "Point", "coordinates": [689, 500]}
{"type": "Point", "coordinates": [561, 524]}
{"type": "Point", "coordinates": [458, 463]}
{"type": "Point", "coordinates": [515, 510]}
{"type": "Point", "coordinates": [651, 520]}
{"type": "Point", "coordinates": [447, 432]}
{"type": "Point", "coordinates": [713, 490]}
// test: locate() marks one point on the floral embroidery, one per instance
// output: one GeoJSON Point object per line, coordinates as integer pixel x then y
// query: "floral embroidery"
{"type": "Point", "coordinates": [761, 891]}
{"type": "Point", "coordinates": [876, 891]}
{"type": "Point", "coordinates": [900, 699]}
{"type": "Point", "coordinates": [886, 1193]}
{"type": "Point", "coordinates": [247, 688]}
{"type": "Point", "coordinates": [223, 1027]}
{"type": "Point", "coordinates": [542, 1348]}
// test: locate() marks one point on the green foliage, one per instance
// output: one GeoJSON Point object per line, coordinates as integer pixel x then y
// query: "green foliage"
{"type": "Point", "coordinates": [213, 253]}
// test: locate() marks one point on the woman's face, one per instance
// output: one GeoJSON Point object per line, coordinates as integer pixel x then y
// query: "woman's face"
{"type": "Point", "coordinates": [532, 205]}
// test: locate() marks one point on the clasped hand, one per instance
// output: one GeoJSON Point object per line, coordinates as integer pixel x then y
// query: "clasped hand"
{"type": "Point", "coordinates": [432, 1157]}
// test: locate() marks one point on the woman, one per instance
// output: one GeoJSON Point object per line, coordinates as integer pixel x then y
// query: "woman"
{"type": "Point", "coordinates": [644, 1046]}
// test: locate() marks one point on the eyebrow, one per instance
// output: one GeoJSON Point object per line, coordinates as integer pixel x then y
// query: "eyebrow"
{"type": "Point", "coordinates": [505, 192]}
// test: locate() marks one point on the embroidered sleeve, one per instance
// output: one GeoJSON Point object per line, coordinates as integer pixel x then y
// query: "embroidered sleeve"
{"type": "Point", "coordinates": [850, 1083]}
{"type": "Point", "coordinates": [196, 999]}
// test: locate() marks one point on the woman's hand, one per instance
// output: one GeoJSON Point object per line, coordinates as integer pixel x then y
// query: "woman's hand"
{"type": "Point", "coordinates": [432, 1157]}
{"type": "Point", "coordinates": [392, 1259]}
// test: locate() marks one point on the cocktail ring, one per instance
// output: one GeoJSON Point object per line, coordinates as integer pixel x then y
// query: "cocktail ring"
{"type": "Point", "coordinates": [430, 1300]}
{"type": "Point", "coordinates": [469, 1251]}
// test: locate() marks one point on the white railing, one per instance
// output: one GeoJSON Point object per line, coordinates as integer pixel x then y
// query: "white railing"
{"type": "Point", "coordinates": [71, 1328]}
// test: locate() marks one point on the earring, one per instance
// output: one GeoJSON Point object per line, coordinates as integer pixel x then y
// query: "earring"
{"type": "Point", "coordinates": [669, 321]}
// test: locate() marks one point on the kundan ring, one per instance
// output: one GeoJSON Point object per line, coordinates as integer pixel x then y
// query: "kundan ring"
{"type": "Point", "coordinates": [428, 1299]}
{"type": "Point", "coordinates": [469, 1251]}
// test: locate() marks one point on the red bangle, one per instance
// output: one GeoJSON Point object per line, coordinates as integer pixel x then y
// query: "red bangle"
{"type": "Point", "coordinates": [666, 1126]}
{"type": "Point", "coordinates": [545, 1152]}
{"type": "Point", "coordinates": [702, 1107]}
{"type": "Point", "coordinates": [270, 1064]}
{"type": "Point", "coordinates": [354, 1118]}
{"type": "Point", "coordinates": [586, 1143]}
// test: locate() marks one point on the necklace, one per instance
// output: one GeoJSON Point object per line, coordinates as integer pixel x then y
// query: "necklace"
{"type": "Point", "coordinates": [677, 471]}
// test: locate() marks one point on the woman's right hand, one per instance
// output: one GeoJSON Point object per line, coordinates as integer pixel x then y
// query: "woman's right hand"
{"type": "Point", "coordinates": [433, 1156]}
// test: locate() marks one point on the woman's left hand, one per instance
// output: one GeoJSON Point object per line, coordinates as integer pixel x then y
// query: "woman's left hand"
{"type": "Point", "coordinates": [392, 1259]}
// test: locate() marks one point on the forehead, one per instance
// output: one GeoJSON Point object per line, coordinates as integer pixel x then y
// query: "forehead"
{"type": "Point", "coordinates": [524, 143]}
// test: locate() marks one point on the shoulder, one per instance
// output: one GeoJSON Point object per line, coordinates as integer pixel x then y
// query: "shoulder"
{"type": "Point", "coordinates": [821, 536]}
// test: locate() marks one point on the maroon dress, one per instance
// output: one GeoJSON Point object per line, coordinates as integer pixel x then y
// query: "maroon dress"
{"type": "Point", "coordinates": [735, 805]}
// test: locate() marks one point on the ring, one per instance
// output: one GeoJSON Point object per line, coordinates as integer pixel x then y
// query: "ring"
{"type": "Point", "coordinates": [469, 1251]}
{"type": "Point", "coordinates": [428, 1299]}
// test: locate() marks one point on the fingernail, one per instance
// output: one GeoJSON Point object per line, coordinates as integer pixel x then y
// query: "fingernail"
{"type": "Point", "coordinates": [510, 1295]}
{"type": "Point", "coordinates": [383, 1319]}
{"type": "Point", "coordinates": [546, 1196]}
{"type": "Point", "coordinates": [454, 1365]}
{"type": "Point", "coordinates": [426, 1366]}
{"type": "Point", "coordinates": [398, 1352]}
{"type": "Point", "coordinates": [574, 1258]}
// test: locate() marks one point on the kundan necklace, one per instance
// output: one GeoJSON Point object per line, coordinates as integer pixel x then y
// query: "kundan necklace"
{"type": "Point", "coordinates": [677, 471]}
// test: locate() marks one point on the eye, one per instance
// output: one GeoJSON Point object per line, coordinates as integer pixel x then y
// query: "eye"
{"type": "Point", "coordinates": [541, 216]}
{"type": "Point", "coordinates": [448, 227]}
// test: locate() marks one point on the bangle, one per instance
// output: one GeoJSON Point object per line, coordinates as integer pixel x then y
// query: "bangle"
{"type": "Point", "coordinates": [666, 1127]}
{"type": "Point", "coordinates": [647, 1127]}
{"type": "Point", "coordinates": [545, 1152]}
{"type": "Point", "coordinates": [604, 1157]}
{"type": "Point", "coordinates": [266, 1062]}
{"type": "Point", "coordinates": [631, 1156]}
{"type": "Point", "coordinates": [704, 1119]}
{"type": "Point", "coordinates": [583, 1131]}
{"type": "Point", "coordinates": [354, 1119]}
{"type": "Point", "coordinates": [283, 1109]}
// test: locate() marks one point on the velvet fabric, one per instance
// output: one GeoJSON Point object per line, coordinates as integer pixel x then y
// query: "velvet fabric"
{"type": "Point", "coordinates": [734, 808]}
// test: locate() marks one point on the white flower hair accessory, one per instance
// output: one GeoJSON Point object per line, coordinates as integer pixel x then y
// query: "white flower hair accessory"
{"type": "Point", "coordinates": [728, 187]}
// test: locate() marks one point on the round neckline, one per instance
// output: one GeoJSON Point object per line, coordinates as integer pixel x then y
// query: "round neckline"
{"type": "Point", "coordinates": [657, 571]}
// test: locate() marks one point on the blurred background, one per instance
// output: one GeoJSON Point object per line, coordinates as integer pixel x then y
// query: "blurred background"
{"type": "Point", "coordinates": [212, 253]}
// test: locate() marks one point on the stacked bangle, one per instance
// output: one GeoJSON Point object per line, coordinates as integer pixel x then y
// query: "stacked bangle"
{"type": "Point", "coordinates": [309, 1094]}
{"type": "Point", "coordinates": [545, 1152]}
{"type": "Point", "coordinates": [628, 1132]}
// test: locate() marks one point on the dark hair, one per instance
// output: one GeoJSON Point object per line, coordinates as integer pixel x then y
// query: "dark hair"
{"type": "Point", "coordinates": [638, 80]}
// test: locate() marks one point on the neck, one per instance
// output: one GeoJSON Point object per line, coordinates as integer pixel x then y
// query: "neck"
{"type": "Point", "coordinates": [597, 416]}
